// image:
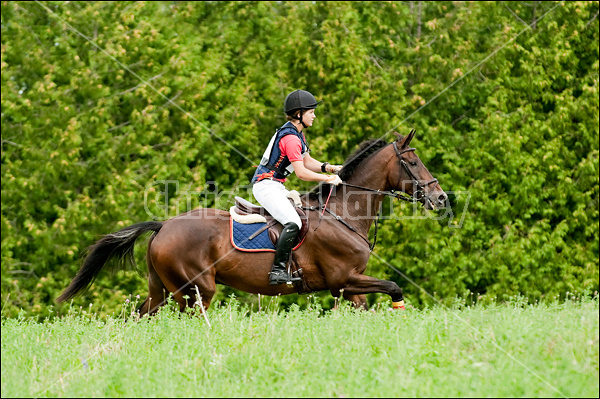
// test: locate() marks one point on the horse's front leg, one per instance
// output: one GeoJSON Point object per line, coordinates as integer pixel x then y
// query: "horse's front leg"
{"type": "Point", "coordinates": [359, 284]}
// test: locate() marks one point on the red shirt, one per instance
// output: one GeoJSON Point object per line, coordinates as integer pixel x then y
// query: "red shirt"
{"type": "Point", "coordinates": [291, 147]}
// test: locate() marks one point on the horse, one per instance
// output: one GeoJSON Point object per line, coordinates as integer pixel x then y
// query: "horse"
{"type": "Point", "coordinates": [190, 253]}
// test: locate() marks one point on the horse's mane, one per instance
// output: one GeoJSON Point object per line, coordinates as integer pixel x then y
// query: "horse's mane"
{"type": "Point", "coordinates": [364, 151]}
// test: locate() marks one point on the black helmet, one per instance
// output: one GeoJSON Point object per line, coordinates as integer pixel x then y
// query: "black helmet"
{"type": "Point", "coordinates": [299, 100]}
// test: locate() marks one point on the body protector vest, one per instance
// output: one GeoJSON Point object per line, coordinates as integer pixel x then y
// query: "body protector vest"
{"type": "Point", "coordinates": [273, 163]}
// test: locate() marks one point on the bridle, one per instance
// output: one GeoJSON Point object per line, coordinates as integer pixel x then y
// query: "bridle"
{"type": "Point", "coordinates": [417, 196]}
{"type": "Point", "coordinates": [419, 192]}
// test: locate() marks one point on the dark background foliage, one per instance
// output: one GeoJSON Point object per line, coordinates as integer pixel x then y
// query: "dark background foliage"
{"type": "Point", "coordinates": [102, 100]}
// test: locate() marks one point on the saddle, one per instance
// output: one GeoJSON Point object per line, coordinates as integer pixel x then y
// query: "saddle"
{"type": "Point", "coordinates": [246, 212]}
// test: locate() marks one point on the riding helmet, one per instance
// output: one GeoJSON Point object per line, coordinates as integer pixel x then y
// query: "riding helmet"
{"type": "Point", "coordinates": [299, 100]}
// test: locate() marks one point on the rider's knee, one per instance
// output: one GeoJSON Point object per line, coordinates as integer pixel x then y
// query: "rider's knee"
{"type": "Point", "coordinates": [297, 222]}
{"type": "Point", "coordinates": [292, 226]}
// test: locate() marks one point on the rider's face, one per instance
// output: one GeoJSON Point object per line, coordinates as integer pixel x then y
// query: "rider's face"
{"type": "Point", "coordinates": [308, 117]}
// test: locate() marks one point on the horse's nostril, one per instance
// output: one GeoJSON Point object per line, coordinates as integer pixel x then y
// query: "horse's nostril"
{"type": "Point", "coordinates": [442, 198]}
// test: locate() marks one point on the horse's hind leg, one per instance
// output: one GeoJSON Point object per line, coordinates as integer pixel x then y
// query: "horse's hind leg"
{"type": "Point", "coordinates": [359, 301]}
{"type": "Point", "coordinates": [156, 289]}
{"type": "Point", "coordinates": [143, 308]}
{"type": "Point", "coordinates": [188, 285]}
{"type": "Point", "coordinates": [203, 287]}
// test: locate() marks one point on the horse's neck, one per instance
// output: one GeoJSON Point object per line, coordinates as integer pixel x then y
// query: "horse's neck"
{"type": "Point", "coordinates": [360, 207]}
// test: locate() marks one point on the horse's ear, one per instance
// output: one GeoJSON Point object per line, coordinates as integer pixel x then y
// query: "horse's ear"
{"type": "Point", "coordinates": [399, 137]}
{"type": "Point", "coordinates": [408, 138]}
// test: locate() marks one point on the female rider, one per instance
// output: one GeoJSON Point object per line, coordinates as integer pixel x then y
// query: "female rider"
{"type": "Point", "coordinates": [288, 152]}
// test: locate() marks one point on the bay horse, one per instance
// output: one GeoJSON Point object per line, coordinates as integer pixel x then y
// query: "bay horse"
{"type": "Point", "coordinates": [189, 254]}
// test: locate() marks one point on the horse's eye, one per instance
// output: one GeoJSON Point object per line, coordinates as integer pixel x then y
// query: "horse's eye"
{"type": "Point", "coordinates": [413, 163]}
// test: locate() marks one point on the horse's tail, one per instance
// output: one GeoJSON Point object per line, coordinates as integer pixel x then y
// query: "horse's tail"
{"type": "Point", "coordinates": [117, 245]}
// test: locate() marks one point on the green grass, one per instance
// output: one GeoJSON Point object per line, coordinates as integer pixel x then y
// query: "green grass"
{"type": "Point", "coordinates": [506, 350]}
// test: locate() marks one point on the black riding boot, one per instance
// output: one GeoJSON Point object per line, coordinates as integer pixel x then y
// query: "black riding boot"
{"type": "Point", "coordinates": [279, 274]}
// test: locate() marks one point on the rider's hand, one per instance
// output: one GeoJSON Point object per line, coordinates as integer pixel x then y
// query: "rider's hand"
{"type": "Point", "coordinates": [334, 168]}
{"type": "Point", "coordinates": [334, 180]}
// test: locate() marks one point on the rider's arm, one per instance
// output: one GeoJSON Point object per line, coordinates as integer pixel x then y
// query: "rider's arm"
{"type": "Point", "coordinates": [306, 174]}
{"type": "Point", "coordinates": [311, 164]}
{"type": "Point", "coordinates": [314, 165]}
{"type": "Point", "coordinates": [290, 145]}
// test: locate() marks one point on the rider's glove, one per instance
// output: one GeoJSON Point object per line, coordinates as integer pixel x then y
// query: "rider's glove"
{"type": "Point", "coordinates": [334, 180]}
{"type": "Point", "coordinates": [334, 168]}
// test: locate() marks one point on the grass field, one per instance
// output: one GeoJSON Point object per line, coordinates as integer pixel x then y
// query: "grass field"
{"type": "Point", "coordinates": [505, 350]}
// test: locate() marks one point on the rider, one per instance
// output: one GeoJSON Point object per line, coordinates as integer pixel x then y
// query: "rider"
{"type": "Point", "coordinates": [288, 152]}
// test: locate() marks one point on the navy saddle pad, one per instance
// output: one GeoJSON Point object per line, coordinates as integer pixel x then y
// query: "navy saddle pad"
{"type": "Point", "coordinates": [240, 237]}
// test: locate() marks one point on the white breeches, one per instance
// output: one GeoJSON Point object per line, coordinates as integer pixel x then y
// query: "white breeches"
{"type": "Point", "coordinates": [272, 195]}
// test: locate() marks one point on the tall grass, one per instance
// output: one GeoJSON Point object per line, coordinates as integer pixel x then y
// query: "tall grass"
{"type": "Point", "coordinates": [512, 349]}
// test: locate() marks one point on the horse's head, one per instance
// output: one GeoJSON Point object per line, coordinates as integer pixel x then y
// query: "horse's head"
{"type": "Point", "coordinates": [412, 177]}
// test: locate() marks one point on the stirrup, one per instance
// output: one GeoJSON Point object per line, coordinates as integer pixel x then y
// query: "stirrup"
{"type": "Point", "coordinates": [282, 277]}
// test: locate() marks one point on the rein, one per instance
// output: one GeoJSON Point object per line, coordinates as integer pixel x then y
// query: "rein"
{"type": "Point", "coordinates": [393, 194]}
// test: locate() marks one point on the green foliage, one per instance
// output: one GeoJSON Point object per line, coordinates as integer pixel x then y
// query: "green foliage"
{"type": "Point", "coordinates": [514, 349]}
{"type": "Point", "coordinates": [191, 92]}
